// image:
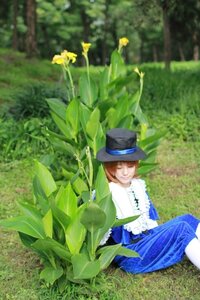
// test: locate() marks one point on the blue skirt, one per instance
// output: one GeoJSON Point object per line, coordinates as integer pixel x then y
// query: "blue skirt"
{"type": "Point", "coordinates": [159, 248]}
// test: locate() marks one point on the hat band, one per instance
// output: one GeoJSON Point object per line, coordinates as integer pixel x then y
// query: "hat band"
{"type": "Point", "coordinates": [121, 152]}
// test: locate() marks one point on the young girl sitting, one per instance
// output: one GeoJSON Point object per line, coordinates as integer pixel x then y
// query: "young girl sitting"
{"type": "Point", "coordinates": [159, 246]}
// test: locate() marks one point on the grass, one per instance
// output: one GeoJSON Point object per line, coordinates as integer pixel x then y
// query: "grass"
{"type": "Point", "coordinates": [174, 188]}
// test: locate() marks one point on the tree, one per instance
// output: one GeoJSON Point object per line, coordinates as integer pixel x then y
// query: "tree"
{"type": "Point", "coordinates": [31, 42]}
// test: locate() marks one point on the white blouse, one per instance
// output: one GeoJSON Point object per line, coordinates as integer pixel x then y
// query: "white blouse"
{"type": "Point", "coordinates": [131, 201]}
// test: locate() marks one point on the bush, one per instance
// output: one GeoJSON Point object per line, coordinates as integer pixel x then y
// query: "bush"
{"type": "Point", "coordinates": [31, 102]}
{"type": "Point", "coordinates": [20, 139]}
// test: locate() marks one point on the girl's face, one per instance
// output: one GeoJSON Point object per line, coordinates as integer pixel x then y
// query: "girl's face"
{"type": "Point", "coordinates": [124, 173]}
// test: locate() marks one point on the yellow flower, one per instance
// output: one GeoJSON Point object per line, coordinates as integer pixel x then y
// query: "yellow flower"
{"type": "Point", "coordinates": [69, 56]}
{"type": "Point", "coordinates": [58, 59]}
{"type": "Point", "coordinates": [86, 47]}
{"type": "Point", "coordinates": [141, 74]}
{"type": "Point", "coordinates": [136, 70]}
{"type": "Point", "coordinates": [123, 42]}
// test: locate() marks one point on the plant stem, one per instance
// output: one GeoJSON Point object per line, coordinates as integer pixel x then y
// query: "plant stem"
{"type": "Point", "coordinates": [71, 81]}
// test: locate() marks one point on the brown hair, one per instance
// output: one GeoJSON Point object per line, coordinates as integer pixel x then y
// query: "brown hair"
{"type": "Point", "coordinates": [110, 169]}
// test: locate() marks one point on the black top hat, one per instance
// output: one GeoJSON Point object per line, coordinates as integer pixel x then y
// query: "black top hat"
{"type": "Point", "coordinates": [120, 146]}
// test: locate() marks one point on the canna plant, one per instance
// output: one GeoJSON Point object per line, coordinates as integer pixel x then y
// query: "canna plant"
{"type": "Point", "coordinates": [66, 230]}
{"type": "Point", "coordinates": [66, 221]}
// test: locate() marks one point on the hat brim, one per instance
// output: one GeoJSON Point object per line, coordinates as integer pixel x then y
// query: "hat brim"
{"type": "Point", "coordinates": [103, 156]}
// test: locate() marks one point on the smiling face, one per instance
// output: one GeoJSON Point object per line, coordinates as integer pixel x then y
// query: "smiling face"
{"type": "Point", "coordinates": [121, 172]}
{"type": "Point", "coordinates": [124, 173]}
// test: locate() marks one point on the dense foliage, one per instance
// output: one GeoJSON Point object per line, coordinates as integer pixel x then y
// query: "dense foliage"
{"type": "Point", "coordinates": [102, 22]}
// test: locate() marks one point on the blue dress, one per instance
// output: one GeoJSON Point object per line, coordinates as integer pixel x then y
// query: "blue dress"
{"type": "Point", "coordinates": [158, 247]}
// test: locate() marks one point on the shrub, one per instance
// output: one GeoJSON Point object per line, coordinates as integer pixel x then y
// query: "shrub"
{"type": "Point", "coordinates": [31, 101]}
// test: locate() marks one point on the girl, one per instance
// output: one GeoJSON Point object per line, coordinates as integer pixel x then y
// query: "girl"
{"type": "Point", "coordinates": [159, 246]}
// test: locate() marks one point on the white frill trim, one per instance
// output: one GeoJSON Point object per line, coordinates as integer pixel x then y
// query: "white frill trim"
{"type": "Point", "coordinates": [124, 199]}
{"type": "Point", "coordinates": [105, 237]}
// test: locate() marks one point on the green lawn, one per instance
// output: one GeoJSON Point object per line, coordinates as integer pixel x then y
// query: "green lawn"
{"type": "Point", "coordinates": [174, 188]}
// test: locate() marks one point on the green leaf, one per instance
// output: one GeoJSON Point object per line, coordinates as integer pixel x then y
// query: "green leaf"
{"type": "Point", "coordinates": [48, 223]}
{"type": "Point", "coordinates": [72, 116]}
{"type": "Point", "coordinates": [30, 211]}
{"type": "Point", "coordinates": [75, 233]}
{"type": "Point", "coordinates": [93, 124]}
{"type": "Point", "coordinates": [84, 113]}
{"type": "Point", "coordinates": [60, 216]}
{"type": "Point", "coordinates": [88, 90]}
{"type": "Point", "coordinates": [79, 186]}
{"type": "Point", "coordinates": [50, 244]}
{"type": "Point", "coordinates": [101, 184]}
{"type": "Point", "coordinates": [62, 146]}
{"type": "Point", "coordinates": [26, 239]}
{"type": "Point", "coordinates": [145, 169]}
{"type": "Point", "coordinates": [50, 274]}
{"type": "Point", "coordinates": [119, 222]}
{"type": "Point", "coordinates": [66, 200]}
{"type": "Point", "coordinates": [64, 128]}
{"type": "Point", "coordinates": [46, 180]}
{"type": "Point", "coordinates": [108, 253]}
{"type": "Point", "coordinates": [117, 65]}
{"type": "Point", "coordinates": [24, 225]}
{"type": "Point", "coordinates": [57, 107]}
{"type": "Point", "coordinates": [93, 217]}
{"type": "Point", "coordinates": [107, 205]}
{"type": "Point", "coordinates": [84, 268]}
{"type": "Point", "coordinates": [151, 139]}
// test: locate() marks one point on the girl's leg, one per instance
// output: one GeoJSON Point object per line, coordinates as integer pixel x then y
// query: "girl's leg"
{"type": "Point", "coordinates": [198, 232]}
{"type": "Point", "coordinates": [193, 252]}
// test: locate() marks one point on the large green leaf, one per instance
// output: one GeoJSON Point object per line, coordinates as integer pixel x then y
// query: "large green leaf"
{"type": "Point", "coordinates": [79, 186]}
{"type": "Point", "coordinates": [84, 113]}
{"type": "Point", "coordinates": [107, 205]}
{"type": "Point", "coordinates": [75, 233]}
{"type": "Point", "coordinates": [72, 116]}
{"type": "Point", "coordinates": [26, 239]}
{"type": "Point", "coordinates": [39, 196]}
{"type": "Point", "coordinates": [30, 211]}
{"type": "Point", "coordinates": [117, 65]}
{"type": "Point", "coordinates": [62, 146]}
{"type": "Point", "coordinates": [64, 128]}
{"type": "Point", "coordinates": [108, 253]}
{"type": "Point", "coordinates": [48, 223]}
{"type": "Point", "coordinates": [88, 89]}
{"type": "Point", "coordinates": [84, 268]}
{"type": "Point", "coordinates": [57, 107]}
{"type": "Point", "coordinates": [46, 180]}
{"type": "Point", "coordinates": [50, 274]}
{"type": "Point", "coordinates": [93, 217]}
{"type": "Point", "coordinates": [151, 139]}
{"type": "Point", "coordinates": [101, 184]}
{"type": "Point", "coordinates": [51, 244]}
{"type": "Point", "coordinates": [93, 123]}
{"type": "Point", "coordinates": [25, 225]}
{"type": "Point", "coordinates": [63, 219]}
{"type": "Point", "coordinates": [66, 200]}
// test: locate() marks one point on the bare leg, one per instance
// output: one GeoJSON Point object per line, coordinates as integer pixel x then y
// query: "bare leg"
{"type": "Point", "coordinates": [193, 252]}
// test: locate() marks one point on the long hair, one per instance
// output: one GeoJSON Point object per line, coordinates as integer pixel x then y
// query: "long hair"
{"type": "Point", "coordinates": [110, 169]}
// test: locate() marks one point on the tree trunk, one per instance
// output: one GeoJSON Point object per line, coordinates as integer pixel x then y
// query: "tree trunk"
{"type": "Point", "coordinates": [181, 53]}
{"type": "Point", "coordinates": [167, 36]}
{"type": "Point", "coordinates": [15, 33]}
{"type": "Point", "coordinates": [196, 47]}
{"type": "Point", "coordinates": [31, 42]}
{"type": "Point", "coordinates": [155, 54]}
